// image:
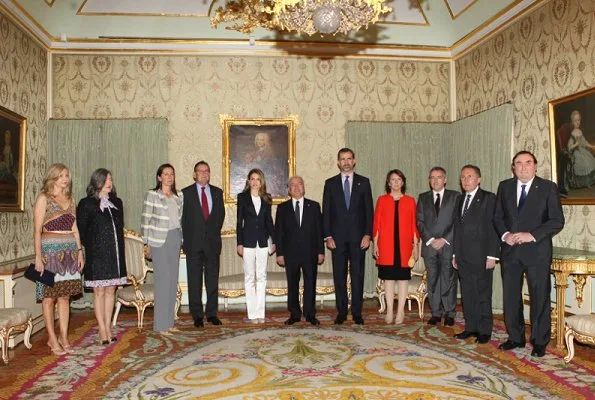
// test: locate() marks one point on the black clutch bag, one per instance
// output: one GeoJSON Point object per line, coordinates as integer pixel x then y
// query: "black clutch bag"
{"type": "Point", "coordinates": [32, 274]}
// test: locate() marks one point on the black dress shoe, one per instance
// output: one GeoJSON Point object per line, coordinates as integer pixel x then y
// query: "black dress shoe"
{"type": "Point", "coordinates": [509, 345]}
{"type": "Point", "coordinates": [340, 319]}
{"type": "Point", "coordinates": [483, 339]}
{"type": "Point", "coordinates": [358, 320]}
{"type": "Point", "coordinates": [434, 320]}
{"type": "Point", "coordinates": [214, 320]}
{"type": "Point", "coordinates": [313, 321]}
{"type": "Point", "coordinates": [199, 323]}
{"type": "Point", "coordinates": [466, 334]}
{"type": "Point", "coordinates": [538, 351]}
{"type": "Point", "coordinates": [291, 321]}
{"type": "Point", "coordinates": [449, 321]}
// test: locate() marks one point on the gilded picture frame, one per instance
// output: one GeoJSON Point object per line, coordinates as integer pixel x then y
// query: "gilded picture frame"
{"type": "Point", "coordinates": [267, 144]}
{"type": "Point", "coordinates": [572, 144]}
{"type": "Point", "coordinates": [13, 135]}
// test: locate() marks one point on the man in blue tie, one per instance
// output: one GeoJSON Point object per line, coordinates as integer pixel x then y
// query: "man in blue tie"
{"type": "Point", "coordinates": [528, 214]}
{"type": "Point", "coordinates": [348, 213]}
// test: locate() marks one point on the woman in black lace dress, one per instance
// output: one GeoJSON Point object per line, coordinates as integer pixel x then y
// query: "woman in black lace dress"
{"type": "Point", "coordinates": [100, 220]}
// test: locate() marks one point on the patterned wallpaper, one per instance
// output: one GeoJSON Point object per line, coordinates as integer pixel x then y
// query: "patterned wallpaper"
{"type": "Point", "coordinates": [546, 55]}
{"type": "Point", "coordinates": [191, 91]}
{"type": "Point", "coordinates": [23, 89]}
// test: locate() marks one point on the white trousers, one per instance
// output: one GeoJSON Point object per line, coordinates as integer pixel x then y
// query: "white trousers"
{"type": "Point", "coordinates": [255, 280]}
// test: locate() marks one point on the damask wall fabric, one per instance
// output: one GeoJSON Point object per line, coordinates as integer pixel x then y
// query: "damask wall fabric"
{"type": "Point", "coordinates": [192, 91]}
{"type": "Point", "coordinates": [23, 89]}
{"type": "Point", "coordinates": [546, 55]}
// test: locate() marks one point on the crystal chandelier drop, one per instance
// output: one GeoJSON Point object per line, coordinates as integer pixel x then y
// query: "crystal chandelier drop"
{"type": "Point", "coordinates": [301, 16]}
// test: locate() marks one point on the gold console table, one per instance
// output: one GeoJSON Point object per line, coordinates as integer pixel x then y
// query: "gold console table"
{"type": "Point", "coordinates": [566, 262]}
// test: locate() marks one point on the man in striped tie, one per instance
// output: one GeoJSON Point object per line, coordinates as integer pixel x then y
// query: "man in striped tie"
{"type": "Point", "coordinates": [528, 214]}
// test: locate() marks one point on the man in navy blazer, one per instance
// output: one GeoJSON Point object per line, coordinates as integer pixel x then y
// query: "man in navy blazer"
{"type": "Point", "coordinates": [202, 242]}
{"type": "Point", "coordinates": [299, 241]}
{"type": "Point", "coordinates": [528, 214]}
{"type": "Point", "coordinates": [475, 252]}
{"type": "Point", "coordinates": [347, 214]}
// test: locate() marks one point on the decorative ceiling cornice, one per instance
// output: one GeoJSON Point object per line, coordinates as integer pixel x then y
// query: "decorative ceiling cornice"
{"type": "Point", "coordinates": [504, 18]}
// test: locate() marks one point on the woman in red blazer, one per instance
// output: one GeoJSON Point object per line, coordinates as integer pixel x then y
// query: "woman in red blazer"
{"type": "Point", "coordinates": [395, 250]}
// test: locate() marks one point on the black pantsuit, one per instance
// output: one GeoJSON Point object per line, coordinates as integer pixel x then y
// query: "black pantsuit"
{"type": "Point", "coordinates": [300, 245]}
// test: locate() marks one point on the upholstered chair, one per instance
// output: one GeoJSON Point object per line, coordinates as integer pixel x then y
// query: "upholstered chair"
{"type": "Point", "coordinates": [417, 289]}
{"type": "Point", "coordinates": [13, 321]}
{"type": "Point", "coordinates": [140, 294]}
{"type": "Point", "coordinates": [581, 328]}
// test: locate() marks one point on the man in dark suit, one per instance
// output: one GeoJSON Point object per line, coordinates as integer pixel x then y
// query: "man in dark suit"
{"type": "Point", "coordinates": [435, 216]}
{"type": "Point", "coordinates": [348, 214]}
{"type": "Point", "coordinates": [298, 236]}
{"type": "Point", "coordinates": [528, 214]}
{"type": "Point", "coordinates": [202, 219]}
{"type": "Point", "coordinates": [476, 250]}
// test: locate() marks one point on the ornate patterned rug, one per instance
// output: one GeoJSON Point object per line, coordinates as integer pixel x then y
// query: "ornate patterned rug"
{"type": "Point", "coordinates": [271, 361]}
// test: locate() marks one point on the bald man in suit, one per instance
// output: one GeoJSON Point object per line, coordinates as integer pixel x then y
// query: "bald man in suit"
{"type": "Point", "coordinates": [300, 248]}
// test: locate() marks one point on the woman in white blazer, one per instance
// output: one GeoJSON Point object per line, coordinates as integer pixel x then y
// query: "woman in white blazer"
{"type": "Point", "coordinates": [162, 234]}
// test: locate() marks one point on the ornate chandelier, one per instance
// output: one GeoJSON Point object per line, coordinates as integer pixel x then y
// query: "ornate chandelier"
{"type": "Point", "coordinates": [302, 16]}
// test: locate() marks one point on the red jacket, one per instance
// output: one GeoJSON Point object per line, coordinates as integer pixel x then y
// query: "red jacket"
{"type": "Point", "coordinates": [384, 227]}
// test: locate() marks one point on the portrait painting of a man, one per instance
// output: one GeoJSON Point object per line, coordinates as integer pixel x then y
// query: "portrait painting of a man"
{"type": "Point", "coordinates": [264, 144]}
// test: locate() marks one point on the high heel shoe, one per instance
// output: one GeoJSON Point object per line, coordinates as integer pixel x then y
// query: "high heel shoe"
{"type": "Point", "coordinates": [58, 351]}
{"type": "Point", "coordinates": [66, 347]}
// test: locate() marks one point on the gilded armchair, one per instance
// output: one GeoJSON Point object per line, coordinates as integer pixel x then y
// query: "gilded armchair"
{"type": "Point", "coordinates": [140, 293]}
{"type": "Point", "coordinates": [417, 289]}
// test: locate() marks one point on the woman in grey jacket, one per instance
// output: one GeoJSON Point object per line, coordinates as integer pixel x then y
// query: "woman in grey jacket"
{"type": "Point", "coordinates": [162, 234]}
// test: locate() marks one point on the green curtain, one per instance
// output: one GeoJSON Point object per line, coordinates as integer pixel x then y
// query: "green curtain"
{"type": "Point", "coordinates": [484, 139]}
{"type": "Point", "coordinates": [131, 149]}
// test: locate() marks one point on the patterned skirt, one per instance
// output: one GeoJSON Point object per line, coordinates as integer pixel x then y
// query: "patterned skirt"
{"type": "Point", "coordinates": [60, 255]}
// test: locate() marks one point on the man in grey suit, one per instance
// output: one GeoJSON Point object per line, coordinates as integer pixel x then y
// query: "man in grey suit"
{"type": "Point", "coordinates": [435, 217]}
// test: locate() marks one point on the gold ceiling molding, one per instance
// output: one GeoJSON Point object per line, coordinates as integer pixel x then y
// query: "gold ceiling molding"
{"type": "Point", "coordinates": [50, 2]}
{"type": "Point", "coordinates": [123, 14]}
{"type": "Point", "coordinates": [495, 30]}
{"type": "Point", "coordinates": [455, 16]}
{"type": "Point", "coordinates": [18, 20]}
{"type": "Point", "coordinates": [52, 44]}
{"type": "Point", "coordinates": [250, 52]}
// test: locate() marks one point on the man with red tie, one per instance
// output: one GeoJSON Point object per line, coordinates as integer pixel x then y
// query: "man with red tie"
{"type": "Point", "coordinates": [202, 220]}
